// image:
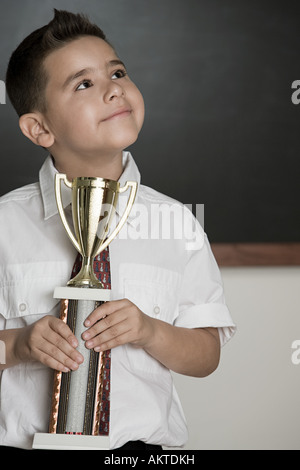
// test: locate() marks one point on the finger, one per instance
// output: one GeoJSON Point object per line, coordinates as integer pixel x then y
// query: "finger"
{"type": "Point", "coordinates": [62, 329]}
{"type": "Point", "coordinates": [109, 321]}
{"type": "Point", "coordinates": [50, 355]}
{"type": "Point", "coordinates": [107, 308]}
{"type": "Point", "coordinates": [113, 342]}
{"type": "Point", "coordinates": [62, 345]}
{"type": "Point", "coordinates": [112, 336]}
{"type": "Point", "coordinates": [49, 361]}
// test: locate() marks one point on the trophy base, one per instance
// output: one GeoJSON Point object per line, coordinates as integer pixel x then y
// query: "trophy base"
{"type": "Point", "coordinates": [69, 442]}
{"type": "Point", "coordinates": [80, 293]}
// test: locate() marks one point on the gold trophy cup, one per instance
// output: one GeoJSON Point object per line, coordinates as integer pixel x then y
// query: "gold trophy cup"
{"type": "Point", "coordinates": [76, 398]}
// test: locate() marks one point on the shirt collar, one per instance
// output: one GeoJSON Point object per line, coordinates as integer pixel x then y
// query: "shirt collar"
{"type": "Point", "coordinates": [47, 175]}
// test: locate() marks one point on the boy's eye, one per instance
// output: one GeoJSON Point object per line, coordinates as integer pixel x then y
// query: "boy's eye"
{"type": "Point", "coordinates": [83, 85]}
{"type": "Point", "coordinates": [119, 74]}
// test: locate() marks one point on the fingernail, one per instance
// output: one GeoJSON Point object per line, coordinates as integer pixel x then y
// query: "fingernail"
{"type": "Point", "coordinates": [79, 359]}
{"type": "Point", "coordinates": [87, 322]}
{"type": "Point", "coordinates": [86, 335]}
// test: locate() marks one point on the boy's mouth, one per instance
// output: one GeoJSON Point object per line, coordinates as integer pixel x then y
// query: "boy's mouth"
{"type": "Point", "coordinates": [121, 112]}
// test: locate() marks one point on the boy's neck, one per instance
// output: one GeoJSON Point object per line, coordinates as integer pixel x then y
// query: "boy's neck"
{"type": "Point", "coordinates": [104, 167]}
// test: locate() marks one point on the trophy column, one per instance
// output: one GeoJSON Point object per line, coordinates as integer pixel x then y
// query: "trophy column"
{"type": "Point", "coordinates": [84, 382]}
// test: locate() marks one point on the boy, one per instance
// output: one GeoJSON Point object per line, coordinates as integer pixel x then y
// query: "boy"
{"type": "Point", "coordinates": [75, 99]}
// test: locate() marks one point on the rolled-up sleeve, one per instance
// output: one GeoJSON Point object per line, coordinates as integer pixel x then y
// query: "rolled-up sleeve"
{"type": "Point", "coordinates": [202, 301]}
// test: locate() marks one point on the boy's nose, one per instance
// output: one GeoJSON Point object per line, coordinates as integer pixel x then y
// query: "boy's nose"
{"type": "Point", "coordinates": [114, 90]}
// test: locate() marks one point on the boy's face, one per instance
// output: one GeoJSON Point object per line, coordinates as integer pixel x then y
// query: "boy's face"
{"type": "Point", "coordinates": [93, 109]}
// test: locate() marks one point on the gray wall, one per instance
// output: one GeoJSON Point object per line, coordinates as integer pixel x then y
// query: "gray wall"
{"type": "Point", "coordinates": [252, 400]}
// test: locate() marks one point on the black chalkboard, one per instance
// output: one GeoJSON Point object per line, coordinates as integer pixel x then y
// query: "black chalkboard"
{"type": "Point", "coordinates": [222, 121]}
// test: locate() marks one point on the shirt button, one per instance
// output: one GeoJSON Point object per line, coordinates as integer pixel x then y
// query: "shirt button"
{"type": "Point", "coordinates": [156, 310]}
{"type": "Point", "coordinates": [22, 307]}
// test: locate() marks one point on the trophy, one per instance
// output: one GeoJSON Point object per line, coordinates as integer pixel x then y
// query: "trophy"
{"type": "Point", "coordinates": [76, 398]}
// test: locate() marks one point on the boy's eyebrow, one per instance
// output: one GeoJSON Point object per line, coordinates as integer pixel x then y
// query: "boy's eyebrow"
{"type": "Point", "coordinates": [76, 75]}
{"type": "Point", "coordinates": [116, 62]}
{"type": "Point", "coordinates": [83, 72]}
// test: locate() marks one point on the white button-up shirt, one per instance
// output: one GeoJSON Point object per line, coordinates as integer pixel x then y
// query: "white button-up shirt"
{"type": "Point", "coordinates": [161, 261]}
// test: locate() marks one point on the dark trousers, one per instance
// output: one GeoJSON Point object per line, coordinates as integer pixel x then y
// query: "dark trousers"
{"type": "Point", "coordinates": [139, 445]}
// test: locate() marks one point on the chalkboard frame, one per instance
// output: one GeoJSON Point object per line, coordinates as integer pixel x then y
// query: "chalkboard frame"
{"type": "Point", "coordinates": [256, 254]}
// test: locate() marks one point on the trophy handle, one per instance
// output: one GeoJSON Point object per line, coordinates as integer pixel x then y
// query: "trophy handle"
{"type": "Point", "coordinates": [58, 178]}
{"type": "Point", "coordinates": [133, 185]}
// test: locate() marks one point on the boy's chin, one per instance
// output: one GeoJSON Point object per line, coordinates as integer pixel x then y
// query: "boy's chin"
{"type": "Point", "coordinates": [122, 140]}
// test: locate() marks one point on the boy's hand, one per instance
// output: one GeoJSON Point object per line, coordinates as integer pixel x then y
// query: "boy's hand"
{"type": "Point", "coordinates": [121, 322]}
{"type": "Point", "coordinates": [189, 351]}
{"type": "Point", "coordinates": [51, 342]}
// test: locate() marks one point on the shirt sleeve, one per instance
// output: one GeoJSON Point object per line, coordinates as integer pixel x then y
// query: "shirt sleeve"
{"type": "Point", "coordinates": [202, 302]}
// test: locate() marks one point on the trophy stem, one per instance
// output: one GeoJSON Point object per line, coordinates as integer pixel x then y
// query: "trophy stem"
{"type": "Point", "coordinates": [86, 276]}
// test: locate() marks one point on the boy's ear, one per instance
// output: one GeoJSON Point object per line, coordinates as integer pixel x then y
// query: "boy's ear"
{"type": "Point", "coordinates": [33, 127]}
